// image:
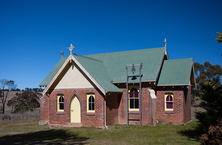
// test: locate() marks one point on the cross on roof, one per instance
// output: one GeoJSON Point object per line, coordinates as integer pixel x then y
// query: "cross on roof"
{"type": "Point", "coordinates": [71, 48]}
{"type": "Point", "coordinates": [165, 41]}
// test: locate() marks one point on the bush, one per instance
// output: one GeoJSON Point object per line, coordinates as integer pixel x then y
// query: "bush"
{"type": "Point", "coordinates": [214, 135]}
{"type": "Point", "coordinates": [19, 116]}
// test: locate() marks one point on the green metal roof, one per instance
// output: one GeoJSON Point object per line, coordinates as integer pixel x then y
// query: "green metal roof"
{"type": "Point", "coordinates": [109, 68]}
{"type": "Point", "coordinates": [97, 70]}
{"type": "Point", "coordinates": [115, 63]}
{"type": "Point", "coordinates": [49, 77]}
{"type": "Point", "coordinates": [175, 72]}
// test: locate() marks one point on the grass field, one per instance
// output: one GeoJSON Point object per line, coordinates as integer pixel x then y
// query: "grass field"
{"type": "Point", "coordinates": [29, 132]}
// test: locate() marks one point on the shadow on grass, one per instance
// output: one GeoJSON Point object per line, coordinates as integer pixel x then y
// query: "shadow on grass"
{"type": "Point", "coordinates": [192, 134]}
{"type": "Point", "coordinates": [53, 136]}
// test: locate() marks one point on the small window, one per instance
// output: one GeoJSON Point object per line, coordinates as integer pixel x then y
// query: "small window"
{"type": "Point", "coordinates": [134, 100]}
{"type": "Point", "coordinates": [60, 103]}
{"type": "Point", "coordinates": [90, 103]}
{"type": "Point", "coordinates": [169, 102]}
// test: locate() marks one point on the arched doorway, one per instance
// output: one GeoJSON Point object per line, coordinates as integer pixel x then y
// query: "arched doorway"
{"type": "Point", "coordinates": [75, 111]}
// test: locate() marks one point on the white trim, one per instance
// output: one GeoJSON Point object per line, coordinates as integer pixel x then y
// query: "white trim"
{"type": "Point", "coordinates": [72, 58]}
{"type": "Point", "coordinates": [192, 68]}
{"type": "Point", "coordinates": [74, 88]}
{"type": "Point", "coordinates": [87, 101]}
{"type": "Point", "coordinates": [166, 54]}
{"type": "Point", "coordinates": [88, 75]}
{"type": "Point", "coordinates": [58, 103]}
{"type": "Point", "coordinates": [56, 75]}
{"type": "Point", "coordinates": [165, 102]}
{"type": "Point", "coordinates": [129, 89]}
{"type": "Point", "coordinates": [152, 94]}
{"type": "Point", "coordinates": [161, 65]}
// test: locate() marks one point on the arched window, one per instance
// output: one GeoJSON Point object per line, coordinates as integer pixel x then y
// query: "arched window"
{"type": "Point", "coordinates": [133, 99]}
{"type": "Point", "coordinates": [60, 103]}
{"type": "Point", "coordinates": [90, 103]}
{"type": "Point", "coordinates": [168, 102]}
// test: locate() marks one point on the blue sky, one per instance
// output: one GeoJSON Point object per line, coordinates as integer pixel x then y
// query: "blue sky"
{"type": "Point", "coordinates": [33, 32]}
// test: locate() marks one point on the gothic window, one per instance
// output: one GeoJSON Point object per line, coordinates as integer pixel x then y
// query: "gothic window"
{"type": "Point", "coordinates": [169, 102]}
{"type": "Point", "coordinates": [134, 99]}
{"type": "Point", "coordinates": [60, 103]}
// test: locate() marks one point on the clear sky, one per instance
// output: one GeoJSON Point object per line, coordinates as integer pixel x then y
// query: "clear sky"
{"type": "Point", "coordinates": [33, 32]}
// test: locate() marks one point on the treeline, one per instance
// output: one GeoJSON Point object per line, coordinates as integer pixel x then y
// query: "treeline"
{"type": "Point", "coordinates": [28, 99]}
{"type": "Point", "coordinates": [28, 89]}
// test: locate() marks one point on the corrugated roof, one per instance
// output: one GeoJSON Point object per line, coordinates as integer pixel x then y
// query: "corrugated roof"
{"type": "Point", "coordinates": [115, 63]}
{"type": "Point", "coordinates": [97, 70]}
{"type": "Point", "coordinates": [109, 68]}
{"type": "Point", "coordinates": [49, 77]}
{"type": "Point", "coordinates": [175, 72]}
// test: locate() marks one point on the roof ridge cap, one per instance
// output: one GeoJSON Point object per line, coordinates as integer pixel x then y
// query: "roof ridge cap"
{"type": "Point", "coordinates": [178, 59]}
{"type": "Point", "coordinates": [125, 51]}
{"type": "Point", "coordinates": [87, 57]}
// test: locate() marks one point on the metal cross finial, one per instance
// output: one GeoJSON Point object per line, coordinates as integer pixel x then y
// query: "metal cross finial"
{"type": "Point", "coordinates": [62, 54]}
{"type": "Point", "coordinates": [71, 48]}
{"type": "Point", "coordinates": [165, 41]}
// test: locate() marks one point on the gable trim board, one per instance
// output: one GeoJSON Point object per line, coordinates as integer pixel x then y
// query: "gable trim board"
{"type": "Point", "coordinates": [160, 66]}
{"type": "Point", "coordinates": [69, 59]}
{"type": "Point", "coordinates": [53, 72]}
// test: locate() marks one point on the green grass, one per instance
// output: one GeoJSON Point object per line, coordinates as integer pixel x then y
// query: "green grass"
{"type": "Point", "coordinates": [32, 133]}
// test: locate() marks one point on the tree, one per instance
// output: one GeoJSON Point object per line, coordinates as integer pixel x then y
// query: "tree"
{"type": "Point", "coordinates": [24, 101]}
{"type": "Point", "coordinates": [31, 99]}
{"type": "Point", "coordinates": [17, 89]}
{"type": "Point", "coordinates": [5, 86]}
{"type": "Point", "coordinates": [211, 100]}
{"type": "Point", "coordinates": [220, 38]}
{"type": "Point", "coordinates": [13, 103]}
{"type": "Point", "coordinates": [204, 73]}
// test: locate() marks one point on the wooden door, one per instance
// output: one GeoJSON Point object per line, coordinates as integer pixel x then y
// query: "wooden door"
{"type": "Point", "coordinates": [75, 111]}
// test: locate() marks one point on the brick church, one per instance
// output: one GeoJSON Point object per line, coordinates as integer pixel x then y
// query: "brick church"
{"type": "Point", "coordinates": [140, 87]}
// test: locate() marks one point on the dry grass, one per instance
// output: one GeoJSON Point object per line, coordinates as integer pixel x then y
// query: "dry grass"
{"type": "Point", "coordinates": [26, 117]}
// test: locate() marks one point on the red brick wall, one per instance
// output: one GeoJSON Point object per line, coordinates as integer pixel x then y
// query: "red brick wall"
{"type": "Point", "coordinates": [152, 109]}
{"type": "Point", "coordinates": [44, 108]}
{"type": "Point", "coordinates": [87, 119]}
{"type": "Point", "coordinates": [187, 104]}
{"type": "Point", "coordinates": [135, 118]}
{"type": "Point", "coordinates": [112, 105]}
{"type": "Point", "coordinates": [177, 115]}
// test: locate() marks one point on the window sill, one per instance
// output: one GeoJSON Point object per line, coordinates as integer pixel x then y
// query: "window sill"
{"type": "Point", "coordinates": [60, 113]}
{"type": "Point", "coordinates": [90, 113]}
{"type": "Point", "coordinates": [168, 112]}
{"type": "Point", "coordinates": [134, 112]}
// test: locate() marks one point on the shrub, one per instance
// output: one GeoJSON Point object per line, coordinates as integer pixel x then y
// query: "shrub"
{"type": "Point", "coordinates": [214, 135]}
{"type": "Point", "coordinates": [19, 116]}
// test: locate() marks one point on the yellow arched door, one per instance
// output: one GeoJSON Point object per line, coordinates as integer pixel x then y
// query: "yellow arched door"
{"type": "Point", "coordinates": [75, 111]}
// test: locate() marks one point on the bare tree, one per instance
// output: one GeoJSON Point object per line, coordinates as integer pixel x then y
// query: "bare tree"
{"type": "Point", "coordinates": [5, 86]}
